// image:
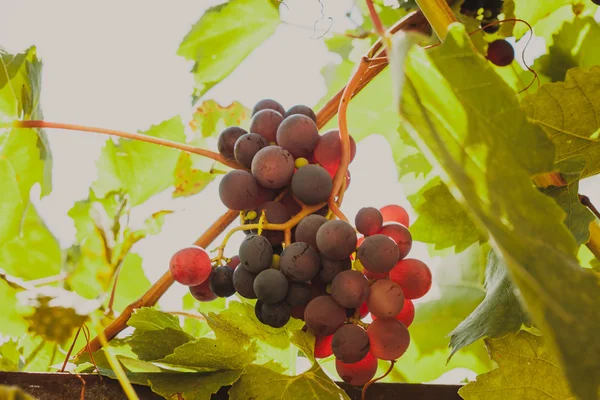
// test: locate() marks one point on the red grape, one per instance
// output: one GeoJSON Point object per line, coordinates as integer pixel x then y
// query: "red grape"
{"type": "Point", "coordinates": [301, 109]}
{"type": "Point", "coordinates": [385, 299]}
{"type": "Point", "coordinates": [363, 310]}
{"type": "Point", "coordinates": [350, 343]}
{"type": "Point", "coordinates": [312, 184]}
{"type": "Point", "coordinates": [265, 123]}
{"type": "Point", "coordinates": [389, 338]}
{"type": "Point", "coordinates": [268, 104]}
{"type": "Point", "coordinates": [306, 230]}
{"type": "Point", "coordinates": [227, 139]}
{"type": "Point", "coordinates": [350, 289]}
{"type": "Point", "coordinates": [359, 373]}
{"type": "Point", "coordinates": [323, 346]}
{"type": "Point", "coordinates": [375, 275]}
{"type": "Point", "coordinates": [202, 292]}
{"type": "Point", "coordinates": [378, 253]}
{"type": "Point", "coordinates": [233, 262]}
{"type": "Point", "coordinates": [399, 234]}
{"type": "Point", "coordinates": [413, 276]}
{"type": "Point", "coordinates": [336, 239]}
{"type": "Point", "coordinates": [273, 167]}
{"type": "Point", "coordinates": [328, 151]}
{"type": "Point", "coordinates": [190, 266]}
{"type": "Point", "coordinates": [238, 190]}
{"type": "Point", "coordinates": [298, 134]}
{"type": "Point", "coordinates": [500, 53]}
{"type": "Point", "coordinates": [407, 315]}
{"type": "Point", "coordinates": [368, 221]}
{"type": "Point", "coordinates": [324, 316]}
{"type": "Point", "coordinates": [394, 213]}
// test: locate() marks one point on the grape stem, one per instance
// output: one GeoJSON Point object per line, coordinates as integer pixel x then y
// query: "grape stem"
{"type": "Point", "coordinates": [379, 28]}
{"type": "Point", "coordinates": [372, 381]}
{"type": "Point", "coordinates": [128, 135]}
{"type": "Point", "coordinates": [336, 211]}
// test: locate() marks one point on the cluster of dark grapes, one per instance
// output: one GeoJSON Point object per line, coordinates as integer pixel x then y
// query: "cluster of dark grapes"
{"type": "Point", "coordinates": [330, 275]}
{"type": "Point", "coordinates": [488, 9]}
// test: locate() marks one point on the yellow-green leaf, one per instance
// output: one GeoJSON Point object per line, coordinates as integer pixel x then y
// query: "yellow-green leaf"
{"type": "Point", "coordinates": [567, 112]}
{"type": "Point", "coordinates": [526, 369]}
{"type": "Point", "coordinates": [224, 36]}
{"type": "Point", "coordinates": [471, 126]}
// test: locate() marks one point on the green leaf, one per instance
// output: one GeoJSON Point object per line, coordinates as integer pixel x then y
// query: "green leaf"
{"type": "Point", "coordinates": [27, 149]}
{"type": "Point", "coordinates": [141, 169]}
{"type": "Point", "coordinates": [567, 112]}
{"type": "Point", "coordinates": [193, 386]}
{"type": "Point", "coordinates": [526, 370]}
{"type": "Point", "coordinates": [239, 321]}
{"type": "Point", "coordinates": [132, 283]}
{"type": "Point", "coordinates": [498, 314]}
{"type": "Point", "coordinates": [574, 46]}
{"type": "Point", "coordinates": [305, 341]}
{"type": "Point", "coordinates": [210, 118]}
{"type": "Point", "coordinates": [34, 252]}
{"type": "Point", "coordinates": [578, 217]}
{"type": "Point", "coordinates": [157, 344]}
{"type": "Point", "coordinates": [12, 322]}
{"type": "Point", "coordinates": [460, 281]}
{"type": "Point", "coordinates": [189, 180]}
{"type": "Point", "coordinates": [194, 326]}
{"type": "Point", "coordinates": [224, 36]}
{"type": "Point", "coordinates": [150, 319]}
{"type": "Point", "coordinates": [439, 213]}
{"type": "Point", "coordinates": [489, 152]}
{"type": "Point", "coordinates": [259, 382]}
{"type": "Point", "coordinates": [9, 356]}
{"type": "Point", "coordinates": [11, 205]}
{"type": "Point", "coordinates": [531, 12]}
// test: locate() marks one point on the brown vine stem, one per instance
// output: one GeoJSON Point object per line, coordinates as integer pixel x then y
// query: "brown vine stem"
{"type": "Point", "coordinates": [150, 298]}
{"type": "Point", "coordinates": [372, 381]}
{"type": "Point", "coordinates": [128, 135]}
{"type": "Point", "coordinates": [379, 28]}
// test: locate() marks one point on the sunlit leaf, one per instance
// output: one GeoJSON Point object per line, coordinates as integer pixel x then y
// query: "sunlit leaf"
{"type": "Point", "coordinates": [141, 169]}
{"type": "Point", "coordinates": [567, 112]}
{"type": "Point", "coordinates": [489, 153]}
{"type": "Point", "coordinates": [224, 36]}
{"type": "Point", "coordinates": [526, 369]}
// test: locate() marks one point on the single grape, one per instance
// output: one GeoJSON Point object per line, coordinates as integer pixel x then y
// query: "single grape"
{"type": "Point", "coordinates": [275, 213]}
{"type": "Point", "coordinates": [406, 315]}
{"type": "Point", "coordinates": [227, 139]}
{"type": "Point", "coordinates": [328, 151]}
{"type": "Point", "coordinates": [299, 262]}
{"type": "Point", "coordinates": [378, 253]}
{"type": "Point", "coordinates": [265, 123]}
{"type": "Point", "coordinates": [306, 230]}
{"type": "Point", "coordinates": [275, 315]}
{"type": "Point", "coordinates": [301, 109]}
{"type": "Point", "coordinates": [336, 239]}
{"type": "Point", "coordinates": [350, 289]}
{"type": "Point", "coordinates": [389, 338]}
{"type": "Point", "coordinates": [368, 221]}
{"type": "Point", "coordinates": [246, 147]}
{"type": "Point", "coordinates": [350, 343]}
{"type": "Point", "coordinates": [323, 346]}
{"type": "Point", "coordinates": [399, 234]}
{"type": "Point", "coordinates": [190, 266]}
{"type": "Point", "coordinates": [312, 184]}
{"type": "Point", "coordinates": [238, 190]}
{"type": "Point", "coordinates": [394, 213]}
{"type": "Point", "coordinates": [413, 276]}
{"type": "Point", "coordinates": [385, 299]}
{"type": "Point", "coordinates": [255, 253]}
{"type": "Point", "coordinates": [243, 282]}
{"type": "Point", "coordinates": [299, 294]}
{"type": "Point", "coordinates": [273, 167]}
{"type": "Point", "coordinates": [359, 373]}
{"type": "Point", "coordinates": [221, 282]}
{"type": "Point", "coordinates": [324, 316]}
{"type": "Point", "coordinates": [233, 262]}
{"type": "Point", "coordinates": [270, 286]}
{"type": "Point", "coordinates": [331, 268]}
{"type": "Point", "coordinates": [298, 134]}
{"type": "Point", "coordinates": [500, 53]}
{"type": "Point", "coordinates": [202, 292]}
{"type": "Point", "coordinates": [268, 104]}
{"type": "Point", "coordinates": [491, 28]}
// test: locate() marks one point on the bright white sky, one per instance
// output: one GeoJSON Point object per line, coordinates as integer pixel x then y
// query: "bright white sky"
{"type": "Point", "coordinates": [113, 64]}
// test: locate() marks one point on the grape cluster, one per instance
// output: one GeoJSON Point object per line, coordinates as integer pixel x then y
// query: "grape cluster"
{"type": "Point", "coordinates": [487, 9]}
{"type": "Point", "coordinates": [329, 274]}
